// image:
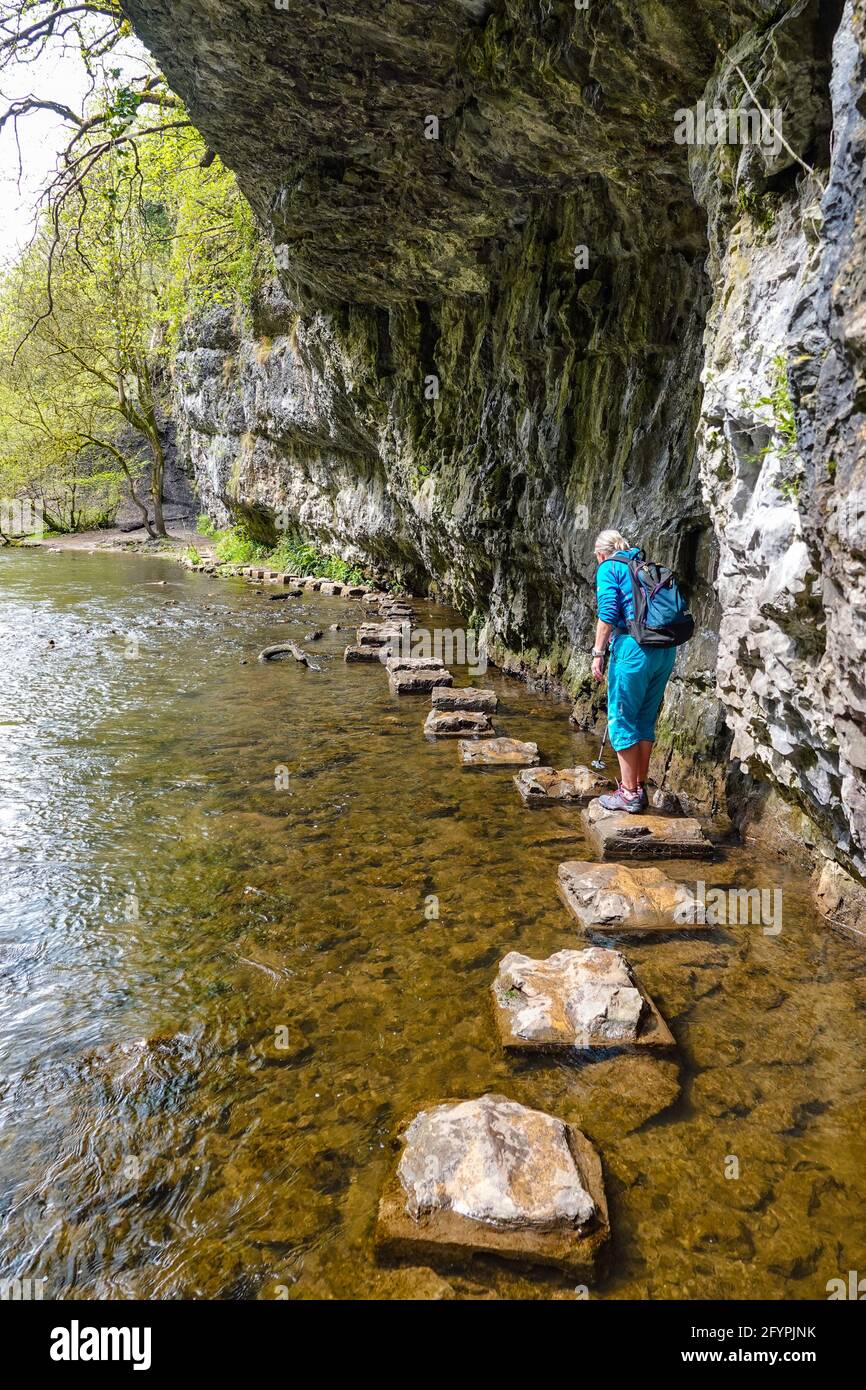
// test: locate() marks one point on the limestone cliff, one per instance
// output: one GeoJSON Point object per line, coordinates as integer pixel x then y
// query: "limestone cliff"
{"type": "Point", "coordinates": [514, 308]}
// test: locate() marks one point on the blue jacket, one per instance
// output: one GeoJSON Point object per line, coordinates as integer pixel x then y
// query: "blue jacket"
{"type": "Point", "coordinates": [613, 590]}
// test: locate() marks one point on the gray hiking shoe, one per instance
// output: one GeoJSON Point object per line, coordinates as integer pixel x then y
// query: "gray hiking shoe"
{"type": "Point", "coordinates": [622, 800]}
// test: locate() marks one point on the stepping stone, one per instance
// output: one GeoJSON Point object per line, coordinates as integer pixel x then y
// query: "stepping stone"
{"type": "Point", "coordinates": [544, 786]}
{"type": "Point", "coordinates": [574, 1000]}
{"type": "Point", "coordinates": [326, 587]}
{"type": "Point", "coordinates": [497, 752]}
{"type": "Point", "coordinates": [414, 681]}
{"type": "Point", "coordinates": [624, 899]}
{"type": "Point", "coordinates": [362, 654]}
{"type": "Point", "coordinates": [619, 835]}
{"type": "Point", "coordinates": [291, 582]}
{"type": "Point", "coordinates": [467, 697]}
{"type": "Point", "coordinates": [313, 584]}
{"type": "Point", "coordinates": [492, 1177]}
{"type": "Point", "coordinates": [378, 634]}
{"type": "Point", "coordinates": [456, 723]}
{"type": "Point", "coordinates": [353, 590]}
{"type": "Point", "coordinates": [414, 663]}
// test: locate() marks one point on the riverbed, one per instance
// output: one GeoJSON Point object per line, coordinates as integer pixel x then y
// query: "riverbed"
{"type": "Point", "coordinates": [202, 853]}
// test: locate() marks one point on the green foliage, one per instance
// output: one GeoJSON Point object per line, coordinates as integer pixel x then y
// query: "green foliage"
{"type": "Point", "coordinates": [205, 526]}
{"type": "Point", "coordinates": [153, 238]}
{"type": "Point", "coordinates": [192, 555]}
{"type": "Point", "coordinates": [784, 441]}
{"type": "Point", "coordinates": [235, 547]}
{"type": "Point", "coordinates": [292, 554]}
{"type": "Point", "coordinates": [297, 556]}
{"type": "Point", "coordinates": [780, 402]}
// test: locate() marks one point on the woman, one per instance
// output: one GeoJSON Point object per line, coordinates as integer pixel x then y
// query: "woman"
{"type": "Point", "coordinates": [636, 679]}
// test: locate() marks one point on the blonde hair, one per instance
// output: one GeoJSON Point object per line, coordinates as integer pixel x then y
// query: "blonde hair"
{"type": "Point", "coordinates": [609, 541]}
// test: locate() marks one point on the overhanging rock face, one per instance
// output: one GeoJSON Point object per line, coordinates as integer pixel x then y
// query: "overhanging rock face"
{"type": "Point", "coordinates": [325, 111]}
{"type": "Point", "coordinates": [488, 344]}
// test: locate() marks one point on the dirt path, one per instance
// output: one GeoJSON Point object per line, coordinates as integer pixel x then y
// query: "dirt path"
{"type": "Point", "coordinates": [112, 538]}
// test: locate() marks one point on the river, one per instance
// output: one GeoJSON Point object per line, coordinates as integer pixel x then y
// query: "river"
{"type": "Point", "coordinates": [167, 912]}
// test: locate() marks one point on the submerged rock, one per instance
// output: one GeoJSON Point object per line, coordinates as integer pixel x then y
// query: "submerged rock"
{"type": "Point", "coordinates": [497, 752]}
{"type": "Point", "coordinates": [619, 835]}
{"type": "Point", "coordinates": [574, 999]}
{"type": "Point", "coordinates": [542, 786]}
{"type": "Point", "coordinates": [466, 697]}
{"type": "Point", "coordinates": [622, 898]}
{"type": "Point", "coordinates": [453, 723]}
{"type": "Point", "coordinates": [493, 1176]}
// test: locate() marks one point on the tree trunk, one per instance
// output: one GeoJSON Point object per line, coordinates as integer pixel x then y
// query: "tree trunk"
{"type": "Point", "coordinates": [157, 474]}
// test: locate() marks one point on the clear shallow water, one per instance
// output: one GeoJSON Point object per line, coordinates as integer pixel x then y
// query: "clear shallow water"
{"type": "Point", "coordinates": [164, 909]}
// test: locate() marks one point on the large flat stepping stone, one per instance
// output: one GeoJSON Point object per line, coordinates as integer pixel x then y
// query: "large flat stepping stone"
{"type": "Point", "coordinates": [544, 786]}
{"type": "Point", "coordinates": [467, 697]}
{"type": "Point", "coordinates": [572, 1001]}
{"type": "Point", "coordinates": [412, 680]}
{"type": "Point", "coordinates": [363, 654]}
{"type": "Point", "coordinates": [414, 663]}
{"type": "Point", "coordinates": [497, 752]}
{"type": "Point", "coordinates": [456, 723]}
{"type": "Point", "coordinates": [379, 634]}
{"type": "Point", "coordinates": [621, 898]}
{"type": "Point", "coordinates": [492, 1177]}
{"type": "Point", "coordinates": [619, 835]}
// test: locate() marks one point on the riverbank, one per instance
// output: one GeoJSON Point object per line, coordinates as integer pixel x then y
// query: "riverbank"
{"type": "Point", "coordinates": [113, 539]}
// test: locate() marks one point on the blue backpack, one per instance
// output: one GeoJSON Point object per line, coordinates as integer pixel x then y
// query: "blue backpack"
{"type": "Point", "coordinates": [661, 616]}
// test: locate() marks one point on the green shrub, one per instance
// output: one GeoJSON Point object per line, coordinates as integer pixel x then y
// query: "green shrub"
{"type": "Point", "coordinates": [297, 556]}
{"type": "Point", "coordinates": [205, 526]}
{"type": "Point", "coordinates": [234, 547]}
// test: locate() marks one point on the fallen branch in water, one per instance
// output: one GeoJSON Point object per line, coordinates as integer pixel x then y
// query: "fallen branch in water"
{"type": "Point", "coordinates": [292, 648]}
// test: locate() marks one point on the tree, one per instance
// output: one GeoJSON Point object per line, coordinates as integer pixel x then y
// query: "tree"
{"type": "Point", "coordinates": [141, 224]}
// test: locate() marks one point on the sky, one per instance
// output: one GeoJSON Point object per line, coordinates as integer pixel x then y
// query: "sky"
{"type": "Point", "coordinates": [60, 76]}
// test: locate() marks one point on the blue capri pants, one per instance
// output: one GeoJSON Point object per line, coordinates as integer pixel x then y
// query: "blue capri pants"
{"type": "Point", "coordinates": [636, 682]}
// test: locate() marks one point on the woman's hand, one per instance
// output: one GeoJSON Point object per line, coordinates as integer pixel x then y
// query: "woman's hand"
{"type": "Point", "coordinates": [598, 668]}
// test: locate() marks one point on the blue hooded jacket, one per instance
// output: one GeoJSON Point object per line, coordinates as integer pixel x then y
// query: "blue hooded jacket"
{"type": "Point", "coordinates": [613, 590]}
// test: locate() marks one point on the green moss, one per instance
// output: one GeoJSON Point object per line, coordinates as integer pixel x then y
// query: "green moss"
{"type": "Point", "coordinates": [760, 207]}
